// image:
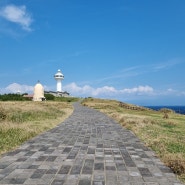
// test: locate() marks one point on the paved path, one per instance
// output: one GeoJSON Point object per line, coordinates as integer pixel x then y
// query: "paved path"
{"type": "Point", "coordinates": [86, 149]}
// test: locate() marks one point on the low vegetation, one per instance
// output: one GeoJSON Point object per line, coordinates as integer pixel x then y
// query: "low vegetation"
{"type": "Point", "coordinates": [66, 99]}
{"type": "Point", "coordinates": [12, 97]}
{"type": "Point", "coordinates": [163, 131]}
{"type": "Point", "coordinates": [49, 97]}
{"type": "Point", "coordinates": [22, 120]}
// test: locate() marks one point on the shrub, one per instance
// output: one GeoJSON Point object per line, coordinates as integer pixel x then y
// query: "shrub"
{"type": "Point", "coordinates": [49, 96]}
{"type": "Point", "coordinates": [2, 114]}
{"type": "Point", "coordinates": [67, 99]}
{"type": "Point", "coordinates": [177, 166]}
{"type": "Point", "coordinates": [12, 97]}
{"type": "Point", "coordinates": [165, 110]}
{"type": "Point", "coordinates": [166, 116]}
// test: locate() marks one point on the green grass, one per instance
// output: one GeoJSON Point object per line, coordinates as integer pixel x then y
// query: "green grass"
{"type": "Point", "coordinates": [20, 121]}
{"type": "Point", "coordinates": [20, 117]}
{"type": "Point", "coordinates": [177, 147]}
{"type": "Point", "coordinates": [13, 137]}
{"type": "Point", "coordinates": [67, 99]}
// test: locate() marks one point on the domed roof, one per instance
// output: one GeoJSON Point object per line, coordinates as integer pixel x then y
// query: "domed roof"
{"type": "Point", "coordinates": [59, 75]}
{"type": "Point", "coordinates": [38, 86]}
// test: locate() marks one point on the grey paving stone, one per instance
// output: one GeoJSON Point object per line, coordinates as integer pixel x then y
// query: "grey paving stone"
{"type": "Point", "coordinates": [64, 169]}
{"type": "Point", "coordinates": [84, 182]}
{"type": "Point", "coordinates": [99, 166]}
{"type": "Point", "coordinates": [98, 183]}
{"type": "Point", "coordinates": [88, 148]}
{"type": "Point", "coordinates": [145, 172]}
{"type": "Point", "coordinates": [57, 182]}
{"type": "Point", "coordinates": [13, 181]}
{"type": "Point", "coordinates": [88, 166]}
{"type": "Point", "coordinates": [76, 169]}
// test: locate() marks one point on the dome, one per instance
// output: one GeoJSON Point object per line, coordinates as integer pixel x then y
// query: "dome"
{"type": "Point", "coordinates": [38, 92]}
{"type": "Point", "coordinates": [59, 75]}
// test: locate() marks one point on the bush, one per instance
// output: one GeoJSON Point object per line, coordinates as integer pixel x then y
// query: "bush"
{"type": "Point", "coordinates": [165, 110]}
{"type": "Point", "coordinates": [12, 97]}
{"type": "Point", "coordinates": [49, 96]}
{"type": "Point", "coordinates": [2, 114]}
{"type": "Point", "coordinates": [177, 166]}
{"type": "Point", "coordinates": [166, 116]}
{"type": "Point", "coordinates": [67, 99]}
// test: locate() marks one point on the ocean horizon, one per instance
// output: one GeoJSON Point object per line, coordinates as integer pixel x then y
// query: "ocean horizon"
{"type": "Point", "coordinates": [177, 109]}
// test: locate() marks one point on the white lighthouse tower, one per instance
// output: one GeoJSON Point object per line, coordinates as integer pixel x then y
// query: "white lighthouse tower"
{"type": "Point", "coordinates": [59, 77]}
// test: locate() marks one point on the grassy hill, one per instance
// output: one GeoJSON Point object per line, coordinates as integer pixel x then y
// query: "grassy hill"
{"type": "Point", "coordinates": [163, 131]}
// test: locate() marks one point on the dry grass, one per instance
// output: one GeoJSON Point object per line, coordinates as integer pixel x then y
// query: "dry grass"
{"type": "Point", "coordinates": [166, 136]}
{"type": "Point", "coordinates": [20, 121]}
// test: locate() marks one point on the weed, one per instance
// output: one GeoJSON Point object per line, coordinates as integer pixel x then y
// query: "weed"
{"type": "Point", "coordinates": [2, 114]}
{"type": "Point", "coordinates": [165, 110]}
{"type": "Point", "coordinates": [171, 123]}
{"type": "Point", "coordinates": [122, 120]}
{"type": "Point", "coordinates": [177, 164]}
{"type": "Point", "coordinates": [166, 116]}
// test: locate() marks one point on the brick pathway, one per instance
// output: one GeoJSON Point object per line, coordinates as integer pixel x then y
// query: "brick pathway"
{"type": "Point", "coordinates": [86, 149]}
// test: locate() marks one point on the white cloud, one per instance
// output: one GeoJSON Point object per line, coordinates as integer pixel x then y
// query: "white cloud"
{"type": "Point", "coordinates": [15, 87]}
{"type": "Point", "coordinates": [168, 64]}
{"type": "Point", "coordinates": [142, 94]}
{"type": "Point", "coordinates": [139, 90]}
{"type": "Point", "coordinates": [106, 91]}
{"type": "Point", "coordinates": [18, 15]}
{"type": "Point", "coordinates": [73, 88]}
{"type": "Point", "coordinates": [171, 90]}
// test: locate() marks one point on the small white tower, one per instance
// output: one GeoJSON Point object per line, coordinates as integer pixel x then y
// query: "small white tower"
{"type": "Point", "coordinates": [59, 77]}
{"type": "Point", "coordinates": [38, 92]}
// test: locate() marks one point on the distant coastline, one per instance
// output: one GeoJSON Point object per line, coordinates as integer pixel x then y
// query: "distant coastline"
{"type": "Point", "coordinates": [177, 109]}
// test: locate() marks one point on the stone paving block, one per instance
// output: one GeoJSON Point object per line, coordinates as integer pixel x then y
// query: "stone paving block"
{"type": "Point", "coordinates": [98, 183]}
{"type": "Point", "coordinates": [13, 181]}
{"type": "Point", "coordinates": [88, 166]}
{"type": "Point", "coordinates": [64, 169]}
{"type": "Point", "coordinates": [58, 182]}
{"type": "Point", "coordinates": [84, 182]}
{"type": "Point", "coordinates": [145, 172]}
{"type": "Point", "coordinates": [111, 168]}
{"type": "Point", "coordinates": [76, 169]}
{"type": "Point", "coordinates": [99, 166]}
{"type": "Point", "coordinates": [121, 167]}
{"type": "Point", "coordinates": [125, 183]}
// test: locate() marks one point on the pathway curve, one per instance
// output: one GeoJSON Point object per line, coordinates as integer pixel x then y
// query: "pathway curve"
{"type": "Point", "coordinates": [88, 148]}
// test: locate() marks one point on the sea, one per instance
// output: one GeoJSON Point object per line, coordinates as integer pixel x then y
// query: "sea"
{"type": "Point", "coordinates": [177, 109]}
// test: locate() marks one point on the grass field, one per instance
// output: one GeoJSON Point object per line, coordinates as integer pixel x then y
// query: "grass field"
{"type": "Point", "coordinates": [163, 131]}
{"type": "Point", "coordinates": [22, 120]}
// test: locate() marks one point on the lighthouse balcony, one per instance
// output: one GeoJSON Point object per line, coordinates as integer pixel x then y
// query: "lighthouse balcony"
{"type": "Point", "coordinates": [59, 76]}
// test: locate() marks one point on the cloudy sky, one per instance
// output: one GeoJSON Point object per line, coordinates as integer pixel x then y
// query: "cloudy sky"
{"type": "Point", "coordinates": [129, 50]}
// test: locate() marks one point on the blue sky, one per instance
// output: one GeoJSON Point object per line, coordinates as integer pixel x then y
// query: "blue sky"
{"type": "Point", "coordinates": [129, 50]}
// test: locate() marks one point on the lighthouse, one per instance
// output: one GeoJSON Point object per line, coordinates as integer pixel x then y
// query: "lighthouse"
{"type": "Point", "coordinates": [59, 77]}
